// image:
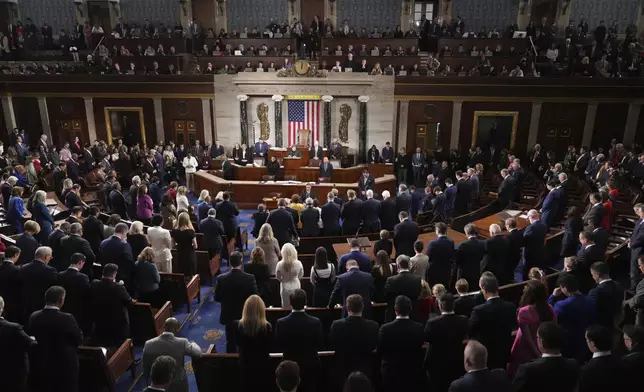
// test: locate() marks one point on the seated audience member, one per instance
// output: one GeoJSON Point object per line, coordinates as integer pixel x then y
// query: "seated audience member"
{"type": "Point", "coordinates": [445, 335]}
{"type": "Point", "coordinates": [478, 376]}
{"type": "Point", "coordinates": [287, 376]}
{"type": "Point", "coordinates": [299, 336]}
{"type": "Point", "coordinates": [54, 361]}
{"type": "Point", "coordinates": [161, 373]}
{"type": "Point", "coordinates": [363, 260]}
{"type": "Point", "coordinates": [109, 306]}
{"type": "Point", "coordinates": [384, 243]}
{"type": "Point", "coordinates": [537, 375]}
{"type": "Point", "coordinates": [400, 349]}
{"type": "Point", "coordinates": [354, 339]}
{"type": "Point", "coordinates": [168, 345]}
{"type": "Point", "coordinates": [604, 370]}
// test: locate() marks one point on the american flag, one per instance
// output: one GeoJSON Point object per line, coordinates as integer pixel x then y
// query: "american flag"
{"type": "Point", "coordinates": [303, 115]}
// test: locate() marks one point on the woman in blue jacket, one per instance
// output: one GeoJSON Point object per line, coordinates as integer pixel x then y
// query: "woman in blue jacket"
{"type": "Point", "coordinates": [16, 209]}
{"type": "Point", "coordinates": [44, 218]}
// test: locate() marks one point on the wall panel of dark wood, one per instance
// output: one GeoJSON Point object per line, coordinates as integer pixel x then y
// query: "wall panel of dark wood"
{"type": "Point", "coordinates": [467, 121]}
{"type": "Point", "coordinates": [28, 117]}
{"type": "Point", "coordinates": [639, 133]}
{"type": "Point", "coordinates": [62, 111]}
{"type": "Point", "coordinates": [560, 125]}
{"type": "Point", "coordinates": [425, 112]}
{"type": "Point", "coordinates": [148, 115]}
{"type": "Point", "coordinates": [184, 110]}
{"type": "Point", "coordinates": [610, 123]}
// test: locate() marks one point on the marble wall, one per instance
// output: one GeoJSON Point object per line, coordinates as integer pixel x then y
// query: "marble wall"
{"type": "Point", "coordinates": [623, 11]}
{"type": "Point", "coordinates": [345, 88]}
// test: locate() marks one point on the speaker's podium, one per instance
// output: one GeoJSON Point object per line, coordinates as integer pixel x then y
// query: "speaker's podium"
{"type": "Point", "coordinates": [363, 242]}
{"type": "Point", "coordinates": [292, 163]}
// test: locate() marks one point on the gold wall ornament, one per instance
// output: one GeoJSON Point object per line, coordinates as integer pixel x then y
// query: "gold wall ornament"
{"type": "Point", "coordinates": [345, 116]}
{"type": "Point", "coordinates": [264, 125]}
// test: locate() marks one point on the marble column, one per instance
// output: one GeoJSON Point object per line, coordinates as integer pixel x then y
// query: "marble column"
{"type": "Point", "coordinates": [277, 99]}
{"type": "Point", "coordinates": [533, 133]}
{"type": "Point", "coordinates": [91, 123]}
{"type": "Point", "coordinates": [243, 118]}
{"type": "Point", "coordinates": [331, 11]}
{"type": "Point", "coordinates": [214, 123]}
{"type": "Point", "coordinates": [362, 129]}
{"type": "Point", "coordinates": [81, 12]}
{"type": "Point", "coordinates": [9, 114]}
{"type": "Point", "coordinates": [207, 121]}
{"type": "Point", "coordinates": [631, 122]}
{"type": "Point", "coordinates": [294, 10]}
{"type": "Point", "coordinates": [221, 15]}
{"type": "Point", "coordinates": [407, 15]}
{"type": "Point", "coordinates": [158, 120]}
{"type": "Point", "coordinates": [589, 125]}
{"type": "Point", "coordinates": [44, 117]}
{"type": "Point", "coordinates": [524, 13]}
{"type": "Point", "coordinates": [457, 109]}
{"type": "Point", "coordinates": [402, 126]}
{"type": "Point", "coordinates": [327, 120]}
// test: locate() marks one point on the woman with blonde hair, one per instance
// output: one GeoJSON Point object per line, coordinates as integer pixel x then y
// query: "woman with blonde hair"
{"type": "Point", "coordinates": [289, 271]}
{"type": "Point", "coordinates": [147, 277]}
{"type": "Point", "coordinates": [426, 301]}
{"type": "Point", "coordinates": [270, 246]}
{"type": "Point", "coordinates": [186, 240]}
{"type": "Point", "coordinates": [136, 238]}
{"type": "Point", "coordinates": [67, 187]}
{"type": "Point", "coordinates": [253, 335]}
{"type": "Point", "coordinates": [182, 199]}
{"type": "Point", "coordinates": [202, 196]}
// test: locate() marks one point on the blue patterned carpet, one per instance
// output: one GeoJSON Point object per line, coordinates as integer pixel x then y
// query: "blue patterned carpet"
{"type": "Point", "coordinates": [202, 327]}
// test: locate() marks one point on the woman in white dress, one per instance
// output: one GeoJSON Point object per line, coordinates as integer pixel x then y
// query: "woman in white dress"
{"type": "Point", "coordinates": [289, 272]}
{"type": "Point", "coordinates": [161, 242]}
{"type": "Point", "coordinates": [182, 199]}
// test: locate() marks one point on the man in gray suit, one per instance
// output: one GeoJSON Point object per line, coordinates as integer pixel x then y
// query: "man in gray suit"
{"type": "Point", "coordinates": [168, 344]}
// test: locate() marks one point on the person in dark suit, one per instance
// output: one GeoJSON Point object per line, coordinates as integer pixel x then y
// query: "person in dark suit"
{"type": "Point", "coordinates": [310, 217]}
{"type": "Point", "coordinates": [10, 284]}
{"type": "Point", "coordinates": [14, 361]}
{"type": "Point", "coordinates": [507, 190]}
{"type": "Point", "coordinates": [445, 334]}
{"type": "Point", "coordinates": [497, 249]}
{"type": "Point", "coordinates": [515, 244]}
{"type": "Point", "coordinates": [370, 214]}
{"type": "Point", "coordinates": [36, 277]}
{"type": "Point", "coordinates": [388, 212]}
{"type": "Point", "coordinates": [161, 373]}
{"type": "Point", "coordinates": [259, 218]}
{"type": "Point", "coordinates": [227, 212]}
{"type": "Point", "coordinates": [552, 371]}
{"type": "Point", "coordinates": [573, 226]}
{"type": "Point", "coordinates": [404, 283]}
{"type": "Point", "coordinates": [362, 259]}
{"type": "Point", "coordinates": [405, 235]}
{"type": "Point", "coordinates": [403, 200]}
{"type": "Point", "coordinates": [117, 201]}
{"type": "Point", "coordinates": [351, 214]}
{"type": "Point", "coordinates": [465, 302]}
{"type": "Point", "coordinates": [316, 151]}
{"type": "Point", "coordinates": [637, 302]}
{"type": "Point", "coordinates": [213, 233]}
{"type": "Point", "coordinates": [588, 254]}
{"type": "Point", "coordinates": [94, 229]}
{"type": "Point", "coordinates": [281, 220]}
{"type": "Point", "coordinates": [354, 338]}
{"type": "Point", "coordinates": [73, 170]}
{"type": "Point", "coordinates": [326, 169]}
{"type": "Point", "coordinates": [550, 205]}
{"type": "Point", "coordinates": [608, 295]}
{"type": "Point", "coordinates": [534, 237]}
{"type": "Point", "coordinates": [636, 244]}
{"type": "Point", "coordinates": [76, 285]}
{"type": "Point", "coordinates": [441, 255]}
{"type": "Point", "coordinates": [109, 307]}
{"type": "Point", "coordinates": [480, 376]}
{"type": "Point", "coordinates": [299, 336]}
{"type": "Point", "coordinates": [75, 243]}
{"type": "Point", "coordinates": [400, 348]}
{"type": "Point", "coordinates": [331, 217]}
{"type": "Point", "coordinates": [27, 242]}
{"type": "Point", "coordinates": [605, 370]}
{"type": "Point", "coordinates": [439, 204]}
{"type": "Point", "coordinates": [387, 153]}
{"type": "Point", "coordinates": [492, 323]}
{"type": "Point", "coordinates": [365, 183]}
{"type": "Point", "coordinates": [55, 358]}
{"type": "Point", "coordinates": [354, 281]}
{"type": "Point", "coordinates": [463, 194]}
{"type": "Point", "coordinates": [54, 243]}
{"type": "Point", "coordinates": [633, 362]}
{"type": "Point", "coordinates": [417, 197]}
{"type": "Point", "coordinates": [595, 212]}
{"type": "Point", "coordinates": [450, 198]}
{"type": "Point", "coordinates": [307, 193]}
{"type": "Point", "coordinates": [232, 289]}
{"type": "Point", "coordinates": [116, 249]}
{"type": "Point", "coordinates": [468, 257]}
